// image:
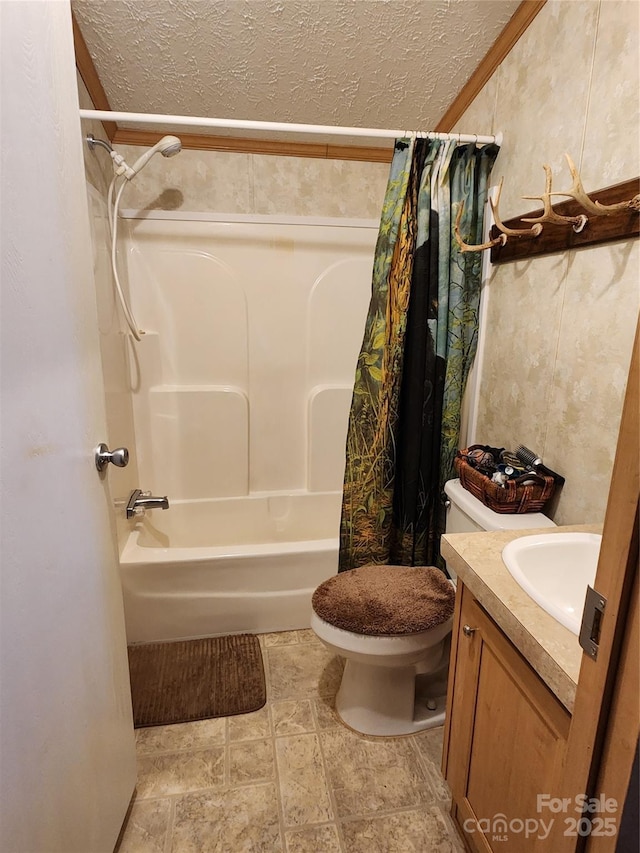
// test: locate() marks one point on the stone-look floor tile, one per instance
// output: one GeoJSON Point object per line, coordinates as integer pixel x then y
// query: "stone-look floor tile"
{"type": "Point", "coordinates": [429, 744]}
{"type": "Point", "coordinates": [315, 839]}
{"type": "Point", "coordinates": [454, 834]}
{"type": "Point", "coordinates": [243, 819]}
{"type": "Point", "coordinates": [326, 713]}
{"type": "Point", "coordinates": [438, 786]}
{"type": "Point", "coordinates": [195, 735]}
{"type": "Point", "coordinates": [282, 638]}
{"type": "Point", "coordinates": [368, 775]}
{"type": "Point", "coordinates": [251, 761]}
{"type": "Point", "coordinates": [429, 747]}
{"type": "Point", "coordinates": [292, 717]}
{"type": "Point", "coordinates": [251, 726]}
{"type": "Point", "coordinates": [179, 772]}
{"type": "Point", "coordinates": [407, 832]}
{"type": "Point", "coordinates": [194, 763]}
{"type": "Point", "coordinates": [303, 787]}
{"type": "Point", "coordinates": [146, 827]}
{"type": "Point", "coordinates": [303, 670]}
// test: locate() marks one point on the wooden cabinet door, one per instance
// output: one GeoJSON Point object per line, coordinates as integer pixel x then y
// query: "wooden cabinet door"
{"type": "Point", "coordinates": [507, 735]}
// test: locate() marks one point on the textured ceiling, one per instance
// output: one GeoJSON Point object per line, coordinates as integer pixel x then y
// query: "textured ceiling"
{"type": "Point", "coordinates": [367, 63]}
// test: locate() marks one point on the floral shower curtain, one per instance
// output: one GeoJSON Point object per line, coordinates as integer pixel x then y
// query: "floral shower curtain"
{"type": "Point", "coordinates": [419, 342]}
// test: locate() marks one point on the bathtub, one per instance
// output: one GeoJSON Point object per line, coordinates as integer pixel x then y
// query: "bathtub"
{"type": "Point", "coordinates": [221, 566]}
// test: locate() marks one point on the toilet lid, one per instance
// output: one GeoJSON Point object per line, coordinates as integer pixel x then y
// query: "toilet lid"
{"type": "Point", "coordinates": [376, 600]}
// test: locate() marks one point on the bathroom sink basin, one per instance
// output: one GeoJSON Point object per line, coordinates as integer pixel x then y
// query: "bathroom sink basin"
{"type": "Point", "coordinates": [554, 569]}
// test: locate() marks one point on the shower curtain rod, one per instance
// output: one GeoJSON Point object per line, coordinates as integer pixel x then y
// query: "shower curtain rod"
{"type": "Point", "coordinates": [280, 127]}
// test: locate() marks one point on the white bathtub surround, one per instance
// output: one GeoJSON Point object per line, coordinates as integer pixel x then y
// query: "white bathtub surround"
{"type": "Point", "coordinates": [222, 566]}
{"type": "Point", "coordinates": [241, 391]}
{"type": "Point", "coordinates": [252, 335]}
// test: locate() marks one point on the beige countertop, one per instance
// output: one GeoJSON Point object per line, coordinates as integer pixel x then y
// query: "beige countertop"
{"type": "Point", "coordinates": [551, 649]}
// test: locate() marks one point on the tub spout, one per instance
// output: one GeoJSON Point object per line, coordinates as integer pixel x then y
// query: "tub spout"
{"type": "Point", "coordinates": [139, 501]}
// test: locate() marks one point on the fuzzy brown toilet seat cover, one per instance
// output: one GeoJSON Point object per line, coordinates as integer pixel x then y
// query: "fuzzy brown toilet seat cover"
{"type": "Point", "coordinates": [377, 600]}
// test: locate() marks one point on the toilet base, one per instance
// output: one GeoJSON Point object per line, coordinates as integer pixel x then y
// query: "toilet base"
{"type": "Point", "coordinates": [387, 701]}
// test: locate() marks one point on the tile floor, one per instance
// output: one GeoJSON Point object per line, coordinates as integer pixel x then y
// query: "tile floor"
{"type": "Point", "coordinates": [289, 777]}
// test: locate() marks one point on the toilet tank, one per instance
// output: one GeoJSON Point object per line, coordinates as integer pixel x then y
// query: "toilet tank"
{"type": "Point", "coordinates": [465, 514]}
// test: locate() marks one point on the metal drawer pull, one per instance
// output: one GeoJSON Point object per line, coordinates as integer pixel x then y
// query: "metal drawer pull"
{"type": "Point", "coordinates": [467, 630]}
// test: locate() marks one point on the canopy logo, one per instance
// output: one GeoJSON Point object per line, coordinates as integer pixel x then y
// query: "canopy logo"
{"type": "Point", "coordinates": [587, 819]}
{"type": "Point", "coordinates": [499, 827]}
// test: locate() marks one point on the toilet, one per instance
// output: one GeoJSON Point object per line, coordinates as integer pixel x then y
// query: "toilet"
{"type": "Point", "coordinates": [392, 624]}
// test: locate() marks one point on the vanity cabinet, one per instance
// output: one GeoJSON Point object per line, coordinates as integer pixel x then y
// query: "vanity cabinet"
{"type": "Point", "coordinates": [505, 736]}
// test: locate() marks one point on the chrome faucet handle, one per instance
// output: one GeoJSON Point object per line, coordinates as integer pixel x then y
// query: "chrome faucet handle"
{"type": "Point", "coordinates": [140, 501]}
{"type": "Point", "coordinates": [132, 510]}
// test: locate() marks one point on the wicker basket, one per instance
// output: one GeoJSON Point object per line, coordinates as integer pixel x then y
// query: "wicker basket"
{"type": "Point", "coordinates": [528, 493]}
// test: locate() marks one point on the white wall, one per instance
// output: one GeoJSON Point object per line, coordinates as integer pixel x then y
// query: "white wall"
{"type": "Point", "coordinates": [66, 730]}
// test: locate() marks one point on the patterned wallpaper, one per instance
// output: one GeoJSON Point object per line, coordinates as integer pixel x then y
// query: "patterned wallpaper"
{"type": "Point", "coordinates": [220, 182]}
{"type": "Point", "coordinates": [560, 328]}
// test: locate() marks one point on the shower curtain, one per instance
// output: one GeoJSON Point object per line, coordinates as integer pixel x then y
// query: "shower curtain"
{"type": "Point", "coordinates": [419, 342]}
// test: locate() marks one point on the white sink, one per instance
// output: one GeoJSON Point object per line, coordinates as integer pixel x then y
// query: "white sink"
{"type": "Point", "coordinates": [555, 569]}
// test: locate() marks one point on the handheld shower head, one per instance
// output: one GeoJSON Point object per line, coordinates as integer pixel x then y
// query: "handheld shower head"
{"type": "Point", "coordinates": [168, 146]}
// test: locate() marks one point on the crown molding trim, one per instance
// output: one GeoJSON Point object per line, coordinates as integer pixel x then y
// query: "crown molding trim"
{"type": "Point", "coordinates": [242, 145]}
{"type": "Point", "coordinates": [87, 70]}
{"type": "Point", "coordinates": [502, 46]}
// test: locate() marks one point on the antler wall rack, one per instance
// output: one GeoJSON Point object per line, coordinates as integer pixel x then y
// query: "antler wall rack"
{"type": "Point", "coordinates": [585, 219]}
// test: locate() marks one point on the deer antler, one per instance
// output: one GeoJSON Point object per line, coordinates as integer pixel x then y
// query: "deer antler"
{"type": "Point", "coordinates": [549, 215]}
{"type": "Point", "coordinates": [577, 192]}
{"type": "Point", "coordinates": [465, 247]}
{"type": "Point", "coordinates": [511, 232]}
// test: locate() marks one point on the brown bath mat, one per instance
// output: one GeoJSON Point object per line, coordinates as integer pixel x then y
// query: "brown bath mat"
{"type": "Point", "coordinates": [188, 680]}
